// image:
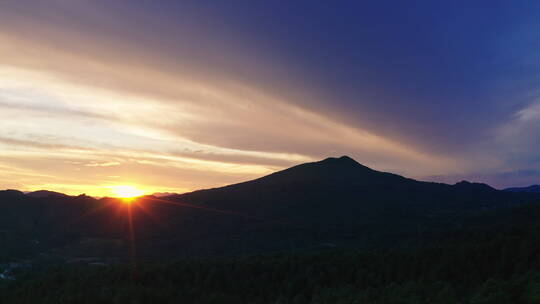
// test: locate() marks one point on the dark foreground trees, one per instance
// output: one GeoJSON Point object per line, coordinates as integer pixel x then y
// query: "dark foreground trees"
{"type": "Point", "coordinates": [495, 268]}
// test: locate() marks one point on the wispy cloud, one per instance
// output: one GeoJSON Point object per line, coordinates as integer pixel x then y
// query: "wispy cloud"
{"type": "Point", "coordinates": [86, 90]}
{"type": "Point", "coordinates": [104, 164]}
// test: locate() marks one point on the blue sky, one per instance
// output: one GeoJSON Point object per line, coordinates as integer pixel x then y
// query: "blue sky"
{"type": "Point", "coordinates": [205, 93]}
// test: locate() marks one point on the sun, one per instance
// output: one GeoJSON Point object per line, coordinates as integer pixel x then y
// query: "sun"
{"type": "Point", "coordinates": [126, 192]}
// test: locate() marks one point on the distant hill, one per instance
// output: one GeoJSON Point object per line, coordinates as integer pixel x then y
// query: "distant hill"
{"type": "Point", "coordinates": [11, 193]}
{"type": "Point", "coordinates": [336, 202]}
{"type": "Point", "coordinates": [530, 189]}
{"type": "Point", "coordinates": [45, 194]}
{"type": "Point", "coordinates": [163, 194]}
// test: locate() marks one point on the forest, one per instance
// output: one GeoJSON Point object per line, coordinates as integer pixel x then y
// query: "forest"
{"type": "Point", "coordinates": [480, 266]}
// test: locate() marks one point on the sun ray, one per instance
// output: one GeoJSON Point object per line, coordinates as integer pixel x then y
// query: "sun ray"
{"type": "Point", "coordinates": [182, 204]}
{"type": "Point", "coordinates": [131, 238]}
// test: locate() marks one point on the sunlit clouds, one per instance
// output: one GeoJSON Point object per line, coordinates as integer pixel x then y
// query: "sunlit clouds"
{"type": "Point", "coordinates": [92, 97]}
{"type": "Point", "coordinates": [47, 122]}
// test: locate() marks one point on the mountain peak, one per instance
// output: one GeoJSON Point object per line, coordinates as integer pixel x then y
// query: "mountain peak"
{"type": "Point", "coordinates": [466, 185]}
{"type": "Point", "coordinates": [343, 158]}
{"type": "Point", "coordinates": [11, 193]}
{"type": "Point", "coordinates": [343, 163]}
{"type": "Point", "coordinates": [45, 193]}
{"type": "Point", "coordinates": [341, 168]}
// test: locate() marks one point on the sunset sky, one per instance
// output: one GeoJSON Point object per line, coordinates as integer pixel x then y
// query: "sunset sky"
{"type": "Point", "coordinates": [172, 96]}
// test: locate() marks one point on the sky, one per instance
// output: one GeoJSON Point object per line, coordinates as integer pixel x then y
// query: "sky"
{"type": "Point", "coordinates": [174, 96]}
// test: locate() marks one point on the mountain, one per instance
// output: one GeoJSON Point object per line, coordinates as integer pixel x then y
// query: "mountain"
{"type": "Point", "coordinates": [336, 183]}
{"type": "Point", "coordinates": [45, 194]}
{"type": "Point", "coordinates": [11, 193]}
{"type": "Point", "coordinates": [341, 202]}
{"type": "Point", "coordinates": [162, 194]}
{"type": "Point", "coordinates": [468, 186]}
{"type": "Point", "coordinates": [530, 189]}
{"type": "Point", "coordinates": [336, 202]}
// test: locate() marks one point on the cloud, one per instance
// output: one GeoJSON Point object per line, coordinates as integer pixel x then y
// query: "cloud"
{"type": "Point", "coordinates": [199, 103]}
{"type": "Point", "coordinates": [529, 114]}
{"type": "Point", "coordinates": [216, 113]}
{"type": "Point", "coordinates": [103, 164]}
{"type": "Point", "coordinates": [36, 144]}
{"type": "Point", "coordinates": [51, 110]}
{"type": "Point", "coordinates": [519, 136]}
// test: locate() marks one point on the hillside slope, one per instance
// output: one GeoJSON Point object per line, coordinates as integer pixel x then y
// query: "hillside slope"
{"type": "Point", "coordinates": [335, 202]}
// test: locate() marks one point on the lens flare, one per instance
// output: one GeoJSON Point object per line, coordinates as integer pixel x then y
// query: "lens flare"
{"type": "Point", "coordinates": [126, 192]}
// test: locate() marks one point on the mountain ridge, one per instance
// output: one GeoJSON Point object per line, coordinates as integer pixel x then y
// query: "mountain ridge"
{"type": "Point", "coordinates": [334, 201]}
{"type": "Point", "coordinates": [45, 193]}
{"type": "Point", "coordinates": [339, 169]}
{"type": "Point", "coordinates": [330, 164]}
{"type": "Point", "coordinates": [529, 189]}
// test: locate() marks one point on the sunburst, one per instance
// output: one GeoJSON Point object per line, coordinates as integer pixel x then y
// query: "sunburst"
{"type": "Point", "coordinates": [126, 192]}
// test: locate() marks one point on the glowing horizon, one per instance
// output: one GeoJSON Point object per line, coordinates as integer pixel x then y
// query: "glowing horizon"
{"type": "Point", "coordinates": [126, 191]}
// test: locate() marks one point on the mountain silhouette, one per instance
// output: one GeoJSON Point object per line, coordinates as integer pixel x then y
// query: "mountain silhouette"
{"type": "Point", "coordinates": [339, 201]}
{"type": "Point", "coordinates": [45, 194]}
{"type": "Point", "coordinates": [342, 182]}
{"type": "Point", "coordinates": [336, 202]}
{"type": "Point", "coordinates": [11, 193]}
{"type": "Point", "coordinates": [530, 189]}
{"type": "Point", "coordinates": [468, 186]}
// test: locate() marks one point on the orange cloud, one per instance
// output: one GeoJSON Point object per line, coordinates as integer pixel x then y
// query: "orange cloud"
{"type": "Point", "coordinates": [70, 95]}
